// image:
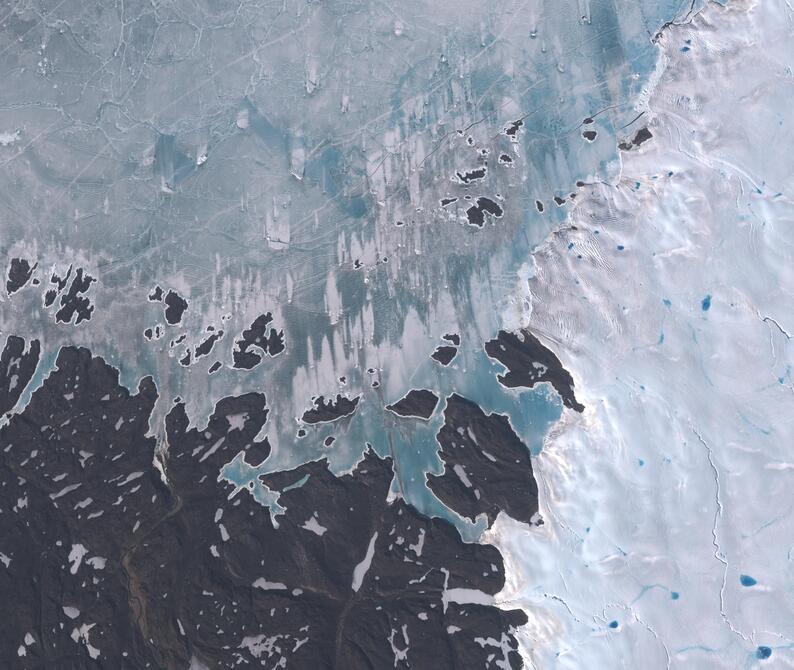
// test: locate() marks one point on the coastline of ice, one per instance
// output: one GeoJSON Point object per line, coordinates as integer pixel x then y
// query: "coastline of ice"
{"type": "Point", "coordinates": [249, 183]}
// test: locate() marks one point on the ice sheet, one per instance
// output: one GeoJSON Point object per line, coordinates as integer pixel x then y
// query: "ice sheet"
{"type": "Point", "coordinates": [669, 505]}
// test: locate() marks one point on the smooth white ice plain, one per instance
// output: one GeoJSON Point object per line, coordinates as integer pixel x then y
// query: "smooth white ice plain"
{"type": "Point", "coordinates": [669, 535]}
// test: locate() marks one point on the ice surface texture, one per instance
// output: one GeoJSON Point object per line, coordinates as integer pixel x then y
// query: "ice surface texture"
{"type": "Point", "coordinates": [290, 158]}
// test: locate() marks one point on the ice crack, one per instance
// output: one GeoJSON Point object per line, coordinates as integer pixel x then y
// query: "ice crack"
{"type": "Point", "coordinates": [718, 553]}
{"type": "Point", "coordinates": [769, 319]}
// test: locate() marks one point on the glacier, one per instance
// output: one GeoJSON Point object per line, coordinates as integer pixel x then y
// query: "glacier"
{"type": "Point", "coordinates": [333, 204]}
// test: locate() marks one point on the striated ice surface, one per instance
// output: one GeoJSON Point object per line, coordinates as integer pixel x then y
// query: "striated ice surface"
{"type": "Point", "coordinates": [290, 158]}
{"type": "Point", "coordinates": [669, 535]}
